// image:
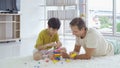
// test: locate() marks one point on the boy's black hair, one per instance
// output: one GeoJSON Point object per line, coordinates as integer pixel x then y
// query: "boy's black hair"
{"type": "Point", "coordinates": [54, 23]}
{"type": "Point", "coordinates": [79, 22]}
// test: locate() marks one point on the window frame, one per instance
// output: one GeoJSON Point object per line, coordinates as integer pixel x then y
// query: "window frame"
{"type": "Point", "coordinates": [114, 29]}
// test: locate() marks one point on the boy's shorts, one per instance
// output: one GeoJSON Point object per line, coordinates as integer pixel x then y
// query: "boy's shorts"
{"type": "Point", "coordinates": [45, 53]}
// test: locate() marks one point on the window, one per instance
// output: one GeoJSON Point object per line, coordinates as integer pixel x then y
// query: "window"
{"type": "Point", "coordinates": [100, 15]}
{"type": "Point", "coordinates": [117, 17]}
{"type": "Point", "coordinates": [104, 15]}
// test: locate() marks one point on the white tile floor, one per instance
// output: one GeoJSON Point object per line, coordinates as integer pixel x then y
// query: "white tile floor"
{"type": "Point", "coordinates": [12, 49]}
{"type": "Point", "coordinates": [25, 47]}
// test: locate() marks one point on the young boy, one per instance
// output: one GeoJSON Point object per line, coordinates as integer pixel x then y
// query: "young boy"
{"type": "Point", "coordinates": [47, 39]}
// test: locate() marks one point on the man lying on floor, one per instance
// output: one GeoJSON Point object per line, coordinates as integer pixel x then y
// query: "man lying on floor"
{"type": "Point", "coordinates": [91, 40]}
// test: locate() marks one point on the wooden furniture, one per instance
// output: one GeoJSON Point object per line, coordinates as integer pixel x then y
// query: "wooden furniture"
{"type": "Point", "coordinates": [9, 27]}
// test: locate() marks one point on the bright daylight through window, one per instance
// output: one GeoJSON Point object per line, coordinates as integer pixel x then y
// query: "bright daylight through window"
{"type": "Point", "coordinates": [104, 15]}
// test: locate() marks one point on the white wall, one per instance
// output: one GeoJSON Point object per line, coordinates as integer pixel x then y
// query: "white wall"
{"type": "Point", "coordinates": [31, 13]}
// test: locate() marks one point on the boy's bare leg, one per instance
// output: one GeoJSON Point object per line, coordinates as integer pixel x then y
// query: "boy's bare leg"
{"type": "Point", "coordinates": [37, 56]}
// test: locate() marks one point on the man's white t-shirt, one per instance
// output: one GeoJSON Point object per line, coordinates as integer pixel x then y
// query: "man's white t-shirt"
{"type": "Point", "coordinates": [95, 39]}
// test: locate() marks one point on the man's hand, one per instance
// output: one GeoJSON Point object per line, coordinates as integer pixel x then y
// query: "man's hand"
{"type": "Point", "coordinates": [87, 55]}
{"type": "Point", "coordinates": [65, 55]}
{"type": "Point", "coordinates": [73, 54]}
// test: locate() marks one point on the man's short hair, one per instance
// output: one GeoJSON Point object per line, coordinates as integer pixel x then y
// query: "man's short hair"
{"type": "Point", "coordinates": [79, 22]}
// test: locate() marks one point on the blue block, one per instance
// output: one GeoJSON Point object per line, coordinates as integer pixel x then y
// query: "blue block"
{"type": "Point", "coordinates": [57, 58]}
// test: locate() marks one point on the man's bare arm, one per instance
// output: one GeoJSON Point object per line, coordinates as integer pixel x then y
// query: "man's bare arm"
{"type": "Point", "coordinates": [87, 55]}
{"type": "Point", "coordinates": [77, 48]}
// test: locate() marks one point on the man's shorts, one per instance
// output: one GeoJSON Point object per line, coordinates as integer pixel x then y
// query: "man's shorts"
{"type": "Point", "coordinates": [116, 45]}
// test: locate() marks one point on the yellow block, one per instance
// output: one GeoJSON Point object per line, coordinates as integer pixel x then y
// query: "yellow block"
{"type": "Point", "coordinates": [55, 61]}
{"type": "Point", "coordinates": [56, 54]}
{"type": "Point", "coordinates": [73, 55]}
{"type": "Point", "coordinates": [67, 60]}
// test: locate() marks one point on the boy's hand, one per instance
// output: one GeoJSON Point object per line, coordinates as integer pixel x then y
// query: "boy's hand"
{"type": "Point", "coordinates": [58, 45]}
{"type": "Point", "coordinates": [54, 44]}
{"type": "Point", "coordinates": [51, 44]}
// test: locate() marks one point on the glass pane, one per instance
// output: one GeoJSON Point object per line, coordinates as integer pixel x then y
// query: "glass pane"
{"type": "Point", "coordinates": [117, 16]}
{"type": "Point", "coordinates": [65, 30]}
{"type": "Point", "coordinates": [100, 15]}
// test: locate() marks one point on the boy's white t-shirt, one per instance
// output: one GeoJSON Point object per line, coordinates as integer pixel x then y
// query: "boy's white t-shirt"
{"type": "Point", "coordinates": [95, 39]}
